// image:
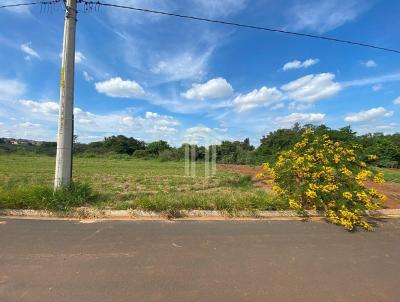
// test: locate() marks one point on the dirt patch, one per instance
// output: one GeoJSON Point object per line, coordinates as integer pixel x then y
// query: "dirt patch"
{"type": "Point", "coordinates": [392, 192]}
{"type": "Point", "coordinates": [241, 169]}
{"type": "Point", "coordinates": [390, 189]}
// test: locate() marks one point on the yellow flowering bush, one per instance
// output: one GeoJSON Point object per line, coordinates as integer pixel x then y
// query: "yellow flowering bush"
{"type": "Point", "coordinates": [318, 173]}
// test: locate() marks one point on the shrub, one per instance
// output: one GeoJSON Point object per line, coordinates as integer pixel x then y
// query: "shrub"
{"type": "Point", "coordinates": [318, 173]}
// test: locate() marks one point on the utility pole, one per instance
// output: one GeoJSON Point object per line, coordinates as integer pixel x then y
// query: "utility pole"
{"type": "Point", "coordinates": [63, 173]}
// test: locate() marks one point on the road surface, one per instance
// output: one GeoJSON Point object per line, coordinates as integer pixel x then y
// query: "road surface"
{"type": "Point", "coordinates": [197, 261]}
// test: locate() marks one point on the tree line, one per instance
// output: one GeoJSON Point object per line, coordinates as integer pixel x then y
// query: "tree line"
{"type": "Point", "coordinates": [386, 147]}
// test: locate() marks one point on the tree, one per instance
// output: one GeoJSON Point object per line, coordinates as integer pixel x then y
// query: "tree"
{"type": "Point", "coordinates": [157, 147]}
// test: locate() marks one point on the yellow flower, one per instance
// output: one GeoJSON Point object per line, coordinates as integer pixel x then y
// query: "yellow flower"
{"type": "Point", "coordinates": [295, 205]}
{"type": "Point", "coordinates": [346, 171]}
{"type": "Point", "coordinates": [363, 175]}
{"type": "Point", "coordinates": [278, 190]}
{"type": "Point", "coordinates": [259, 175]}
{"type": "Point", "coordinates": [378, 180]}
{"type": "Point", "coordinates": [311, 194]}
{"type": "Point", "coordinates": [329, 188]}
{"type": "Point", "coordinates": [372, 157]}
{"type": "Point", "coordinates": [347, 195]}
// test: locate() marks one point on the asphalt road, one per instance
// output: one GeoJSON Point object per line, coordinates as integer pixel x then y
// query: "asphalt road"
{"type": "Point", "coordinates": [197, 261]}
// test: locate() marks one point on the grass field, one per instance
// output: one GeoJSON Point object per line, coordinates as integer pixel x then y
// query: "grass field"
{"type": "Point", "coordinates": [392, 175]}
{"type": "Point", "coordinates": [26, 182]}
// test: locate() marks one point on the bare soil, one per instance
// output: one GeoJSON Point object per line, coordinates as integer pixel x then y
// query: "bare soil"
{"type": "Point", "coordinates": [390, 189]}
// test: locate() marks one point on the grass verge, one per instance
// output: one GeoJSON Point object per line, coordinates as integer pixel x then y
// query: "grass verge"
{"type": "Point", "coordinates": [40, 197]}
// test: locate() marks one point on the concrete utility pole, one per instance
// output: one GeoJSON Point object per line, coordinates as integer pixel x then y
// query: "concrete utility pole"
{"type": "Point", "coordinates": [66, 117]}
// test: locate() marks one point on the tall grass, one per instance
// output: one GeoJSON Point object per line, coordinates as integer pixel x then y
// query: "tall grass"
{"type": "Point", "coordinates": [41, 197]}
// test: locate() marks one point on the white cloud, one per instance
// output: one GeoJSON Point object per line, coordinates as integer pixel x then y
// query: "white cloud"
{"type": "Point", "coordinates": [377, 87]}
{"type": "Point", "coordinates": [22, 11]}
{"type": "Point", "coordinates": [215, 88]}
{"type": "Point", "coordinates": [394, 77]}
{"type": "Point", "coordinates": [324, 15]}
{"type": "Point", "coordinates": [116, 87]}
{"type": "Point", "coordinates": [278, 106]}
{"type": "Point", "coordinates": [312, 87]}
{"type": "Point", "coordinates": [27, 49]}
{"type": "Point", "coordinates": [368, 115]}
{"type": "Point", "coordinates": [202, 135]}
{"type": "Point", "coordinates": [258, 97]}
{"type": "Point", "coordinates": [11, 89]}
{"type": "Point", "coordinates": [221, 8]}
{"type": "Point", "coordinates": [79, 57]}
{"type": "Point", "coordinates": [161, 120]}
{"type": "Point", "coordinates": [47, 108]}
{"type": "Point", "coordinates": [87, 76]}
{"type": "Point", "coordinates": [370, 63]}
{"type": "Point", "coordinates": [296, 64]}
{"type": "Point", "coordinates": [302, 118]}
{"type": "Point", "coordinates": [183, 66]}
{"type": "Point", "coordinates": [396, 101]}
{"type": "Point", "coordinates": [29, 125]}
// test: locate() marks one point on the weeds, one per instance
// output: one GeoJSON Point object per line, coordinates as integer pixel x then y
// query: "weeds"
{"type": "Point", "coordinates": [40, 197]}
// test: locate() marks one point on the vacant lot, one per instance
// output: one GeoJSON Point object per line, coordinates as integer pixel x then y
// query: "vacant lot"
{"type": "Point", "coordinates": [158, 186]}
{"type": "Point", "coordinates": [142, 184]}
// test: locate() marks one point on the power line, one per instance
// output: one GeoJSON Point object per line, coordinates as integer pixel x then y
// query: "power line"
{"type": "Point", "coordinates": [242, 25]}
{"type": "Point", "coordinates": [29, 3]}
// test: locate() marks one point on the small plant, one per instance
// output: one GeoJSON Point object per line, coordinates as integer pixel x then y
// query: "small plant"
{"type": "Point", "coordinates": [318, 173]}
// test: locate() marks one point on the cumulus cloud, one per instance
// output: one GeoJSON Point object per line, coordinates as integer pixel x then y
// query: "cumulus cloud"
{"type": "Point", "coordinates": [296, 64]}
{"type": "Point", "coordinates": [396, 101]}
{"type": "Point", "coordinates": [324, 15]}
{"type": "Point", "coordinates": [161, 120]}
{"type": "Point", "coordinates": [47, 108]}
{"type": "Point", "coordinates": [303, 118]}
{"type": "Point", "coordinates": [11, 89]}
{"type": "Point", "coordinates": [202, 135]}
{"type": "Point", "coordinates": [370, 63]}
{"type": "Point", "coordinates": [258, 97]}
{"type": "Point", "coordinates": [116, 87]}
{"type": "Point", "coordinates": [215, 88]}
{"type": "Point", "coordinates": [368, 115]}
{"type": "Point", "coordinates": [29, 51]}
{"type": "Point", "coordinates": [312, 87]}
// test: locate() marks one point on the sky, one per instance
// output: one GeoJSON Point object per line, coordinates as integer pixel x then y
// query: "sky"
{"type": "Point", "coordinates": [155, 77]}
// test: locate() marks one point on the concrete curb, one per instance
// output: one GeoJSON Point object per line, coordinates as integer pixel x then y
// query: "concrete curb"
{"type": "Point", "coordinates": [90, 213]}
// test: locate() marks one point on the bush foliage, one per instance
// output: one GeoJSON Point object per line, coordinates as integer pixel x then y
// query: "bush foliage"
{"type": "Point", "coordinates": [319, 173]}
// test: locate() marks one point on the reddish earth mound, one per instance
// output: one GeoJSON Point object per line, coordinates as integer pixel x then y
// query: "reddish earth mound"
{"type": "Point", "coordinates": [390, 189]}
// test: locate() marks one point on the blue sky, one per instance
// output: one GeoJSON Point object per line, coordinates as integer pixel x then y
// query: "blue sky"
{"type": "Point", "coordinates": [156, 77]}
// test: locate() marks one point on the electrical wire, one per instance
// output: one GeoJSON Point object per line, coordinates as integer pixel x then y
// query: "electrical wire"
{"type": "Point", "coordinates": [29, 3]}
{"type": "Point", "coordinates": [215, 21]}
{"type": "Point", "coordinates": [242, 25]}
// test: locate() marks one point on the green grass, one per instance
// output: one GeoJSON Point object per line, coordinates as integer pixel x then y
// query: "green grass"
{"type": "Point", "coordinates": [26, 182]}
{"type": "Point", "coordinates": [392, 174]}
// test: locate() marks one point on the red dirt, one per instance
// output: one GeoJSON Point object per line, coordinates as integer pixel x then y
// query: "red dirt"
{"type": "Point", "coordinates": [390, 189]}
